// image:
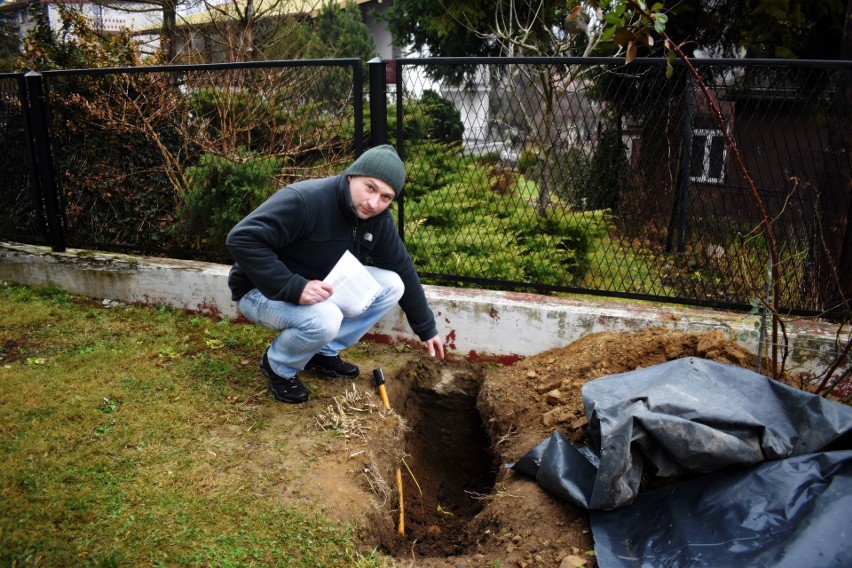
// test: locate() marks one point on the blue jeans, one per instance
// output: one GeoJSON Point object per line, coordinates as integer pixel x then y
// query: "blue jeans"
{"type": "Point", "coordinates": [316, 328]}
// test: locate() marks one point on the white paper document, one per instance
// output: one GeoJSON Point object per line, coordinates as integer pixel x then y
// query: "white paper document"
{"type": "Point", "coordinates": [354, 286]}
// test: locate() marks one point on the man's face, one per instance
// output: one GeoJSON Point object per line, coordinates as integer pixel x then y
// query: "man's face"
{"type": "Point", "coordinates": [370, 196]}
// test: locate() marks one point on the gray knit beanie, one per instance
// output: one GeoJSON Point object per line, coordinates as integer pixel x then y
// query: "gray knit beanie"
{"type": "Point", "coordinates": [381, 162]}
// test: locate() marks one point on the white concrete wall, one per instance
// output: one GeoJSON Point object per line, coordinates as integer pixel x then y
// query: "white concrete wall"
{"type": "Point", "coordinates": [195, 286]}
{"type": "Point", "coordinates": [475, 324]}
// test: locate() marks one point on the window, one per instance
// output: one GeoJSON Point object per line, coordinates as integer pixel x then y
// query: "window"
{"type": "Point", "coordinates": [708, 156]}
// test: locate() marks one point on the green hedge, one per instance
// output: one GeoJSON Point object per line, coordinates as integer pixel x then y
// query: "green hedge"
{"type": "Point", "coordinates": [221, 192]}
{"type": "Point", "coordinates": [468, 228]}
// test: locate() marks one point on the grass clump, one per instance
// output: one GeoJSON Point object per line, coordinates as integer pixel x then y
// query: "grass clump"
{"type": "Point", "coordinates": [106, 415]}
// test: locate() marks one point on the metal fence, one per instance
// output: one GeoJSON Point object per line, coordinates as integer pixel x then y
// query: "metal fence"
{"type": "Point", "coordinates": [631, 168]}
{"type": "Point", "coordinates": [163, 160]}
{"type": "Point", "coordinates": [554, 175]}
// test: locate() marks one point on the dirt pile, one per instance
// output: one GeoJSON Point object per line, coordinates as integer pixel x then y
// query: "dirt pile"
{"type": "Point", "coordinates": [529, 400]}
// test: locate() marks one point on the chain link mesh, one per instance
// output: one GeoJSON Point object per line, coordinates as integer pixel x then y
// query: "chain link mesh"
{"type": "Point", "coordinates": [607, 178]}
{"type": "Point", "coordinates": [551, 175]}
{"type": "Point", "coordinates": [18, 205]}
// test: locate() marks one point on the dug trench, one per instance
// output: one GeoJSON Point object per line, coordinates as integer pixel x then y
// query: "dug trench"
{"type": "Point", "coordinates": [448, 469]}
{"type": "Point", "coordinates": [461, 505]}
{"type": "Point", "coordinates": [464, 424]}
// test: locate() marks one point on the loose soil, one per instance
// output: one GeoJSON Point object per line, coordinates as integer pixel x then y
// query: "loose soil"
{"type": "Point", "coordinates": [451, 429]}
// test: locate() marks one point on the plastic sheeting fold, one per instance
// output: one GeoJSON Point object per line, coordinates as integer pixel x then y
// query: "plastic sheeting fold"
{"type": "Point", "coordinates": [689, 419]}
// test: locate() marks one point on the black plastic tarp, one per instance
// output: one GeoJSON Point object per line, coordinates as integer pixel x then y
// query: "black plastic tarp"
{"type": "Point", "coordinates": [794, 513]}
{"type": "Point", "coordinates": [686, 420]}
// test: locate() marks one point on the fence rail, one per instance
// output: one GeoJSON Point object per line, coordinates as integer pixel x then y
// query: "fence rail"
{"type": "Point", "coordinates": [547, 174]}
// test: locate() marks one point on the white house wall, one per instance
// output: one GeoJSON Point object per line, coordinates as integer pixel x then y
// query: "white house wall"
{"type": "Point", "coordinates": [103, 19]}
{"type": "Point", "coordinates": [378, 29]}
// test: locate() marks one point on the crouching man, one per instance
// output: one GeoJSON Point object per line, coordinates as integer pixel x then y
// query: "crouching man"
{"type": "Point", "coordinates": [286, 247]}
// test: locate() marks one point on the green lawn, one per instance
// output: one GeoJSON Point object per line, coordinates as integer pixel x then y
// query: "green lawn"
{"type": "Point", "coordinates": [101, 462]}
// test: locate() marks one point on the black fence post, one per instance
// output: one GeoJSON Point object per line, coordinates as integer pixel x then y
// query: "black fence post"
{"type": "Point", "coordinates": [378, 70]}
{"type": "Point", "coordinates": [393, 74]}
{"type": "Point", "coordinates": [681, 206]}
{"type": "Point", "coordinates": [358, 105]}
{"type": "Point", "coordinates": [35, 186]}
{"type": "Point", "coordinates": [686, 167]}
{"type": "Point", "coordinates": [378, 102]}
{"type": "Point", "coordinates": [37, 122]}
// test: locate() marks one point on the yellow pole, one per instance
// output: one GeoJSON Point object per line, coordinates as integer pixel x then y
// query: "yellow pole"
{"type": "Point", "coordinates": [384, 394]}
{"type": "Point", "coordinates": [380, 382]}
{"type": "Point", "coordinates": [400, 528]}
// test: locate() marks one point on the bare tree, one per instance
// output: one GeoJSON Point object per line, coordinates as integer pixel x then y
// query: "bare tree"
{"type": "Point", "coordinates": [246, 30]}
{"type": "Point", "coordinates": [167, 10]}
{"type": "Point", "coordinates": [537, 89]}
{"type": "Point", "coordinates": [235, 30]}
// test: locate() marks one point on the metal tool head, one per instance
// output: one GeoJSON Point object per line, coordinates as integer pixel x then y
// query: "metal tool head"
{"type": "Point", "coordinates": [378, 377]}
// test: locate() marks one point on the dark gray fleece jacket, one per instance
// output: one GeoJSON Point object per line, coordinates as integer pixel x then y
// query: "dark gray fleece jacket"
{"type": "Point", "coordinates": [300, 232]}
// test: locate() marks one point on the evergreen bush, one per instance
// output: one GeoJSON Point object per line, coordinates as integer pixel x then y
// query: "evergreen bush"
{"type": "Point", "coordinates": [221, 192]}
{"type": "Point", "coordinates": [465, 228]}
{"type": "Point", "coordinates": [605, 181]}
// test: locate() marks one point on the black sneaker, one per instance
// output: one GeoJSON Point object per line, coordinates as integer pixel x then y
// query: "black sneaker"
{"type": "Point", "coordinates": [332, 366]}
{"type": "Point", "coordinates": [284, 389]}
